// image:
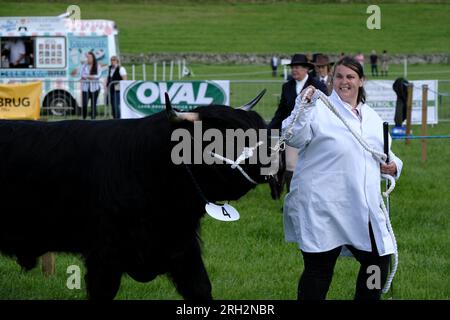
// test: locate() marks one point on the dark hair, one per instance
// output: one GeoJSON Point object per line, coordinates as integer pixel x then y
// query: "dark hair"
{"type": "Point", "coordinates": [94, 63]}
{"type": "Point", "coordinates": [351, 63]}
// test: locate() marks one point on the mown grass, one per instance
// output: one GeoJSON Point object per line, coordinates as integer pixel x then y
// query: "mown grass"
{"type": "Point", "coordinates": [236, 26]}
{"type": "Point", "coordinates": [249, 259]}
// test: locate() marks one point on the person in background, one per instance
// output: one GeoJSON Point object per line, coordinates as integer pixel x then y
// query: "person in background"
{"type": "Point", "coordinates": [334, 201]}
{"type": "Point", "coordinates": [274, 65]}
{"type": "Point", "coordinates": [90, 84]}
{"type": "Point", "coordinates": [17, 53]}
{"type": "Point", "coordinates": [374, 63]}
{"type": "Point", "coordinates": [116, 73]}
{"type": "Point", "coordinates": [360, 58]}
{"type": "Point", "coordinates": [312, 59]}
{"type": "Point", "coordinates": [384, 63]}
{"type": "Point", "coordinates": [323, 71]}
{"type": "Point", "coordinates": [300, 67]}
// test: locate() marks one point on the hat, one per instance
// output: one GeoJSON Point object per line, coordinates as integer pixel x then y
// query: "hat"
{"type": "Point", "coordinates": [323, 60]}
{"type": "Point", "coordinates": [300, 60]}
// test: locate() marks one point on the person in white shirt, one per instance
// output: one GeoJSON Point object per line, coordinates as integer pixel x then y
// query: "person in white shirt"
{"type": "Point", "coordinates": [90, 84]}
{"type": "Point", "coordinates": [274, 65]}
{"type": "Point", "coordinates": [334, 200]}
{"type": "Point", "coordinates": [17, 53]}
{"type": "Point", "coordinates": [116, 73]}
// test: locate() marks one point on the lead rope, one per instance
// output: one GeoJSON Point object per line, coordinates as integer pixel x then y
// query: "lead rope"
{"type": "Point", "coordinates": [379, 156]}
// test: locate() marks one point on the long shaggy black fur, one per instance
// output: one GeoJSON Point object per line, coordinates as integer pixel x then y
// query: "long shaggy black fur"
{"type": "Point", "coordinates": [109, 191]}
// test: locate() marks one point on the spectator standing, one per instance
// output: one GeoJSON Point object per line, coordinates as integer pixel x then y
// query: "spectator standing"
{"type": "Point", "coordinates": [90, 86]}
{"type": "Point", "coordinates": [274, 65]}
{"type": "Point", "coordinates": [360, 58]}
{"type": "Point", "coordinates": [374, 63]}
{"type": "Point", "coordinates": [116, 73]}
{"type": "Point", "coordinates": [384, 63]}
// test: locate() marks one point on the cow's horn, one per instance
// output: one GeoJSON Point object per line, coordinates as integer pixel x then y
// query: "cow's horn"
{"type": "Point", "coordinates": [178, 116]}
{"type": "Point", "coordinates": [171, 114]}
{"type": "Point", "coordinates": [252, 103]}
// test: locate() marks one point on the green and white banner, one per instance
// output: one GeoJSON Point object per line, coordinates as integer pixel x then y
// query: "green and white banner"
{"type": "Point", "coordinates": [382, 98]}
{"type": "Point", "coordinates": [143, 98]}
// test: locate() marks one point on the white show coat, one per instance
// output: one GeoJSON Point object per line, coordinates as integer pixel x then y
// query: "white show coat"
{"type": "Point", "coordinates": [335, 190]}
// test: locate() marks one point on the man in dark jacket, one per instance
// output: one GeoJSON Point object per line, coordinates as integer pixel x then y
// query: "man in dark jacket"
{"type": "Point", "coordinates": [300, 79]}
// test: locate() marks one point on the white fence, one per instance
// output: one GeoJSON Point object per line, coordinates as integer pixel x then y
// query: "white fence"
{"type": "Point", "coordinates": [162, 71]}
{"type": "Point", "coordinates": [63, 99]}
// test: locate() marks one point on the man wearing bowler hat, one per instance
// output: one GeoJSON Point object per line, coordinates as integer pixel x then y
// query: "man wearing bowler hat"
{"type": "Point", "coordinates": [323, 70]}
{"type": "Point", "coordinates": [300, 68]}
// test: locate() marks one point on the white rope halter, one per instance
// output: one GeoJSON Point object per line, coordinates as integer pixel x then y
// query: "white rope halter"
{"type": "Point", "coordinates": [379, 156]}
{"type": "Point", "coordinates": [246, 153]}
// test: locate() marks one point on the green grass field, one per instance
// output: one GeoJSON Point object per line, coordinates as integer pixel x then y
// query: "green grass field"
{"type": "Point", "coordinates": [249, 259]}
{"type": "Point", "coordinates": [236, 26]}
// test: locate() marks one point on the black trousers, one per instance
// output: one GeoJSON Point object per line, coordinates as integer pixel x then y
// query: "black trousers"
{"type": "Point", "coordinates": [374, 70]}
{"type": "Point", "coordinates": [317, 275]}
{"type": "Point", "coordinates": [89, 95]}
{"type": "Point", "coordinates": [274, 71]}
{"type": "Point", "coordinates": [114, 96]}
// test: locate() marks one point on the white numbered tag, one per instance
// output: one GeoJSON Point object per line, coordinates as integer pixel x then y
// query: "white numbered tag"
{"type": "Point", "coordinates": [223, 213]}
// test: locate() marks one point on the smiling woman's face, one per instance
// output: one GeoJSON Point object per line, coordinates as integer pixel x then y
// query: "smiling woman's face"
{"type": "Point", "coordinates": [346, 83]}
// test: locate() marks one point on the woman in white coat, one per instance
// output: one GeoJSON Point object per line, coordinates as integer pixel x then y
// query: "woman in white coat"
{"type": "Point", "coordinates": [334, 201]}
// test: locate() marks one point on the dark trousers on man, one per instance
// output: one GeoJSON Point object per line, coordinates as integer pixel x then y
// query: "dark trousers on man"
{"type": "Point", "coordinates": [374, 69]}
{"type": "Point", "coordinates": [114, 96]}
{"type": "Point", "coordinates": [274, 71]}
{"type": "Point", "coordinates": [317, 275]}
{"type": "Point", "coordinates": [86, 96]}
